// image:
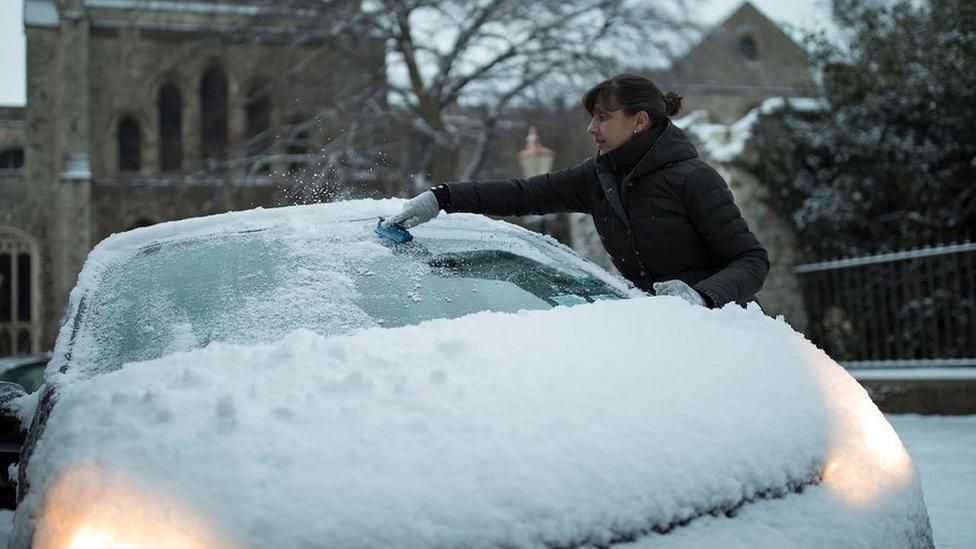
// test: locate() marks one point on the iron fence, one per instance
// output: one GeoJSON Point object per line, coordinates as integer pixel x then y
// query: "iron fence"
{"type": "Point", "coordinates": [913, 308]}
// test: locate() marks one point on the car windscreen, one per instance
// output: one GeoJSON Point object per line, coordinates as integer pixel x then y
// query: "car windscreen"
{"type": "Point", "coordinates": [255, 287]}
{"type": "Point", "coordinates": [412, 287]}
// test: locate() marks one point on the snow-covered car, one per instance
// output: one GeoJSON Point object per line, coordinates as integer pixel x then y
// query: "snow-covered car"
{"type": "Point", "coordinates": [287, 378]}
{"type": "Point", "coordinates": [25, 370]}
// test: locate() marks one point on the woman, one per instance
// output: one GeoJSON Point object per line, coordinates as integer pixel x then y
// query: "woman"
{"type": "Point", "coordinates": [666, 217]}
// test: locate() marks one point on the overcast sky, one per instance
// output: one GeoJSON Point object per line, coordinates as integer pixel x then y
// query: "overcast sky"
{"type": "Point", "coordinates": [795, 15]}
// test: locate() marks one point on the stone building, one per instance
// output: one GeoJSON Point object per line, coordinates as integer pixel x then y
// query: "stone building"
{"type": "Point", "coordinates": [141, 112]}
{"type": "Point", "coordinates": [741, 61]}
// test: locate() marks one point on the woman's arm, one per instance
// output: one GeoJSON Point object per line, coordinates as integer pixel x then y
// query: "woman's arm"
{"type": "Point", "coordinates": [566, 190]}
{"type": "Point", "coordinates": [719, 221]}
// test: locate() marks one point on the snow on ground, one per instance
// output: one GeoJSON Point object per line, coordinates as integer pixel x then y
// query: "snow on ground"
{"type": "Point", "coordinates": [914, 373]}
{"type": "Point", "coordinates": [944, 451]}
{"type": "Point", "coordinates": [573, 425]}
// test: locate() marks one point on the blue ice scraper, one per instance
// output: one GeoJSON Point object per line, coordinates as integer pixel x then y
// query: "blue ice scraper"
{"type": "Point", "coordinates": [393, 232]}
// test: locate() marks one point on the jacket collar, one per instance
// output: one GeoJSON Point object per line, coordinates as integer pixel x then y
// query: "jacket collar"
{"type": "Point", "coordinates": [624, 158]}
{"type": "Point", "coordinates": [647, 151]}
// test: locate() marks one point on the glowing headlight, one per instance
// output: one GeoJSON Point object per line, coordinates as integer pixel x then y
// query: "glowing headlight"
{"type": "Point", "coordinates": [866, 457]}
{"type": "Point", "coordinates": [87, 508]}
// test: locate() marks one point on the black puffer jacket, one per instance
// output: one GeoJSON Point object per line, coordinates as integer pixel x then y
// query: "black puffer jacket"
{"type": "Point", "coordinates": [661, 212]}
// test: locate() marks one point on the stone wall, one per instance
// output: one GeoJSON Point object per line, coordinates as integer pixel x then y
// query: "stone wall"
{"type": "Point", "coordinates": [29, 198]}
{"type": "Point", "coordinates": [11, 127]}
{"type": "Point", "coordinates": [781, 294]}
{"type": "Point", "coordinates": [20, 220]}
{"type": "Point", "coordinates": [121, 207]}
{"type": "Point", "coordinates": [129, 67]}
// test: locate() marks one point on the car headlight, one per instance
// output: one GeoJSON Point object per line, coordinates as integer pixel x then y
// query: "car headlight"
{"type": "Point", "coordinates": [870, 461]}
{"type": "Point", "coordinates": [866, 459]}
{"type": "Point", "coordinates": [89, 508]}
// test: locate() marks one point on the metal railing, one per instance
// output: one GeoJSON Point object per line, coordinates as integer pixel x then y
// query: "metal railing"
{"type": "Point", "coordinates": [912, 308]}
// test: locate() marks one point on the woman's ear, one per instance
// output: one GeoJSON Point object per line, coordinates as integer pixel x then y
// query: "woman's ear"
{"type": "Point", "coordinates": [641, 121]}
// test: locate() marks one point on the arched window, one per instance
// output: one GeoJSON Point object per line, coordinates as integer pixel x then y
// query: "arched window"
{"type": "Point", "coordinates": [257, 121]}
{"type": "Point", "coordinates": [170, 128]}
{"type": "Point", "coordinates": [18, 329]}
{"type": "Point", "coordinates": [12, 159]}
{"type": "Point", "coordinates": [213, 114]}
{"type": "Point", "coordinates": [748, 47]}
{"type": "Point", "coordinates": [129, 145]}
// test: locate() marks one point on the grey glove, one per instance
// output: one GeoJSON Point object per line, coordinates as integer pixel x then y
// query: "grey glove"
{"type": "Point", "coordinates": [419, 209]}
{"type": "Point", "coordinates": [678, 288]}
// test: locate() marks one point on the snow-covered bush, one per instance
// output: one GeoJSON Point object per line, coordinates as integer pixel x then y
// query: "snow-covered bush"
{"type": "Point", "coordinates": [891, 160]}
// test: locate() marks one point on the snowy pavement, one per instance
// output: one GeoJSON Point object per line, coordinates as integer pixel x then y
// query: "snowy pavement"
{"type": "Point", "coordinates": [944, 450]}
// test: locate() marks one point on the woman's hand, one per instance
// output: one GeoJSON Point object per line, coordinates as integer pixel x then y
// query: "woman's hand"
{"type": "Point", "coordinates": [419, 209]}
{"type": "Point", "coordinates": [678, 288]}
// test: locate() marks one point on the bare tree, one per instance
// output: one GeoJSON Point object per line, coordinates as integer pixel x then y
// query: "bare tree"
{"type": "Point", "coordinates": [458, 65]}
{"type": "Point", "coordinates": [452, 70]}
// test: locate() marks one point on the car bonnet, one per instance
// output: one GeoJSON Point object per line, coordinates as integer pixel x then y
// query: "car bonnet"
{"type": "Point", "coordinates": [593, 424]}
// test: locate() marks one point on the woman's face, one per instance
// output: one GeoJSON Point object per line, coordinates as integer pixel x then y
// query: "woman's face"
{"type": "Point", "coordinates": [611, 128]}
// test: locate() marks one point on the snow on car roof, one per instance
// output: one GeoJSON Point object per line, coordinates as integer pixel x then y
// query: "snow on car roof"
{"type": "Point", "coordinates": [577, 425]}
{"type": "Point", "coordinates": [254, 219]}
{"type": "Point", "coordinates": [324, 235]}
{"type": "Point", "coordinates": [293, 217]}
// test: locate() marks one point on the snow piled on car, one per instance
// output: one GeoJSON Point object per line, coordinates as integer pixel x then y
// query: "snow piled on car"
{"type": "Point", "coordinates": [643, 420]}
{"type": "Point", "coordinates": [249, 277]}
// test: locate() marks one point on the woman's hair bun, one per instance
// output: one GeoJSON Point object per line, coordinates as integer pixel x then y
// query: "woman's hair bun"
{"type": "Point", "coordinates": [672, 103]}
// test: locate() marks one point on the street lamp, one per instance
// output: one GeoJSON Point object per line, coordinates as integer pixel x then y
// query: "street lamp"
{"type": "Point", "coordinates": [534, 158]}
